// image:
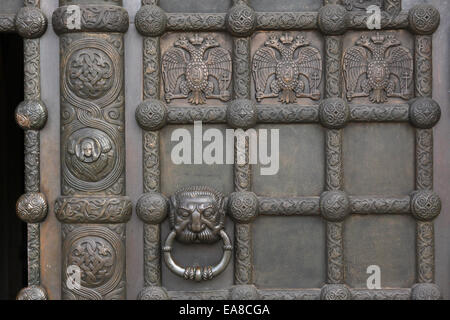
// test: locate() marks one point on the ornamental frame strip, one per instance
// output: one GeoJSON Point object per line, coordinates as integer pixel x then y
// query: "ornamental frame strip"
{"type": "Point", "coordinates": [406, 112]}
{"type": "Point", "coordinates": [31, 207]}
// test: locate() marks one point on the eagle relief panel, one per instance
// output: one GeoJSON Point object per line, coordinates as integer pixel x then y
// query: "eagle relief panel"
{"type": "Point", "coordinates": [287, 67]}
{"type": "Point", "coordinates": [378, 66]}
{"type": "Point", "coordinates": [196, 67]}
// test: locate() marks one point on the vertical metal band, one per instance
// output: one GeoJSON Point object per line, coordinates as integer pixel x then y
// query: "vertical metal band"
{"type": "Point", "coordinates": [152, 73]}
{"type": "Point", "coordinates": [333, 157]}
{"type": "Point", "coordinates": [423, 66]}
{"type": "Point", "coordinates": [32, 79]}
{"type": "Point", "coordinates": [243, 266]}
{"type": "Point", "coordinates": [34, 254]}
{"type": "Point", "coordinates": [32, 161]}
{"type": "Point", "coordinates": [333, 67]}
{"type": "Point", "coordinates": [425, 251]}
{"type": "Point", "coordinates": [241, 68]}
{"type": "Point", "coordinates": [152, 171]}
{"type": "Point", "coordinates": [93, 161]}
{"type": "Point", "coordinates": [424, 159]}
{"type": "Point", "coordinates": [333, 154]}
{"type": "Point", "coordinates": [335, 253]}
{"type": "Point", "coordinates": [152, 262]}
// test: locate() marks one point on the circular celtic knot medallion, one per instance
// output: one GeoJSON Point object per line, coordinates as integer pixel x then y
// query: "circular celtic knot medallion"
{"type": "Point", "coordinates": [335, 292]}
{"type": "Point", "coordinates": [242, 113]}
{"type": "Point", "coordinates": [425, 205]}
{"type": "Point", "coordinates": [332, 19]}
{"type": "Point", "coordinates": [424, 113]}
{"type": "Point", "coordinates": [334, 113]}
{"type": "Point", "coordinates": [31, 114]}
{"type": "Point", "coordinates": [424, 19]}
{"type": "Point", "coordinates": [32, 207]}
{"type": "Point", "coordinates": [90, 155]}
{"type": "Point", "coordinates": [151, 114]}
{"type": "Point", "coordinates": [241, 20]}
{"type": "Point", "coordinates": [334, 205]}
{"type": "Point", "coordinates": [90, 73]}
{"type": "Point", "coordinates": [243, 206]}
{"type": "Point", "coordinates": [151, 21]}
{"type": "Point", "coordinates": [31, 22]}
{"type": "Point", "coordinates": [152, 208]}
{"type": "Point", "coordinates": [32, 293]}
{"type": "Point", "coordinates": [99, 254]}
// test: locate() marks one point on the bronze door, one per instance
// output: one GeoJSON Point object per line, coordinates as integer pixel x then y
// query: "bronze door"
{"type": "Point", "coordinates": [122, 201]}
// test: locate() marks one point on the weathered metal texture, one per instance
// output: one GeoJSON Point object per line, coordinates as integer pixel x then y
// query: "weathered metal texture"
{"type": "Point", "coordinates": [93, 207]}
{"type": "Point", "coordinates": [389, 101]}
{"type": "Point", "coordinates": [31, 116]}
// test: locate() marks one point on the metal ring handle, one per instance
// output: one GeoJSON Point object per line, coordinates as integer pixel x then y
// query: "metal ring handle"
{"type": "Point", "coordinates": [197, 273]}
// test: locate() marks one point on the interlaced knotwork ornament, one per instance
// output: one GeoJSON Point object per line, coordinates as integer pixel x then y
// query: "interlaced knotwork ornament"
{"type": "Point", "coordinates": [287, 68]}
{"type": "Point", "coordinates": [378, 67]}
{"type": "Point", "coordinates": [197, 69]}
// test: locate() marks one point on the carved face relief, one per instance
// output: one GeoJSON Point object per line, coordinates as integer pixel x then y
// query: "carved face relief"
{"type": "Point", "coordinates": [197, 68]}
{"type": "Point", "coordinates": [287, 68]}
{"type": "Point", "coordinates": [197, 214]}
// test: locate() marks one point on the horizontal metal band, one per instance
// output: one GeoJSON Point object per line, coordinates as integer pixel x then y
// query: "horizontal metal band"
{"type": "Point", "coordinates": [90, 18]}
{"type": "Point", "coordinates": [199, 295]}
{"type": "Point", "coordinates": [189, 114]}
{"type": "Point", "coordinates": [196, 22]}
{"type": "Point", "coordinates": [357, 20]}
{"type": "Point", "coordinates": [295, 294]}
{"type": "Point", "coordinates": [289, 294]}
{"type": "Point", "coordinates": [291, 113]}
{"type": "Point", "coordinates": [303, 206]}
{"type": "Point", "coordinates": [93, 209]}
{"type": "Point", "coordinates": [286, 20]}
{"type": "Point", "coordinates": [381, 294]}
{"type": "Point", "coordinates": [380, 205]}
{"type": "Point", "coordinates": [379, 113]}
{"type": "Point", "coordinates": [7, 22]}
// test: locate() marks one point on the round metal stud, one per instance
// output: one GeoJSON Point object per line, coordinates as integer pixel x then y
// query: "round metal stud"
{"type": "Point", "coordinates": [32, 207]}
{"type": "Point", "coordinates": [32, 293]}
{"type": "Point", "coordinates": [334, 113]}
{"type": "Point", "coordinates": [243, 206]}
{"type": "Point", "coordinates": [425, 205]}
{"type": "Point", "coordinates": [152, 208]}
{"type": "Point", "coordinates": [241, 19]}
{"type": "Point", "coordinates": [242, 113]}
{"type": "Point", "coordinates": [31, 115]}
{"type": "Point", "coordinates": [151, 114]}
{"type": "Point", "coordinates": [424, 113]}
{"type": "Point", "coordinates": [423, 19]}
{"type": "Point", "coordinates": [425, 291]}
{"type": "Point", "coordinates": [334, 205]}
{"type": "Point", "coordinates": [31, 22]}
{"type": "Point", "coordinates": [332, 19]}
{"type": "Point", "coordinates": [335, 292]}
{"type": "Point", "coordinates": [153, 293]}
{"type": "Point", "coordinates": [150, 21]}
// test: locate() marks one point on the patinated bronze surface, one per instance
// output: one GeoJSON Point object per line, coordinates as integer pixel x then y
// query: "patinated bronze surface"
{"type": "Point", "coordinates": [337, 91]}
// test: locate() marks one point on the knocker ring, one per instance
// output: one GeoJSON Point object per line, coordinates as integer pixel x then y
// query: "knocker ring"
{"type": "Point", "coordinates": [197, 273]}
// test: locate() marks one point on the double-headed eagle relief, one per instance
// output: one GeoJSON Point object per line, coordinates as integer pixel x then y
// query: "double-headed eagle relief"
{"type": "Point", "coordinates": [287, 68]}
{"type": "Point", "coordinates": [196, 69]}
{"type": "Point", "coordinates": [378, 68]}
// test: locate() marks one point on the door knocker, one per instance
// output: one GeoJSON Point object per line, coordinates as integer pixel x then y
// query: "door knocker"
{"type": "Point", "coordinates": [197, 215]}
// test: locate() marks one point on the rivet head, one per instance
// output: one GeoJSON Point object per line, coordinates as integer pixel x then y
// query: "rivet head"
{"type": "Point", "coordinates": [151, 114]}
{"type": "Point", "coordinates": [423, 19]}
{"type": "Point", "coordinates": [150, 21]}
{"type": "Point", "coordinates": [152, 208]}
{"type": "Point", "coordinates": [241, 19]}
{"type": "Point", "coordinates": [243, 206]}
{"type": "Point", "coordinates": [425, 205]}
{"type": "Point", "coordinates": [424, 113]}
{"type": "Point", "coordinates": [242, 113]}
{"type": "Point", "coordinates": [32, 207]}
{"type": "Point", "coordinates": [332, 19]}
{"type": "Point", "coordinates": [31, 22]}
{"type": "Point", "coordinates": [31, 115]}
{"type": "Point", "coordinates": [334, 205]}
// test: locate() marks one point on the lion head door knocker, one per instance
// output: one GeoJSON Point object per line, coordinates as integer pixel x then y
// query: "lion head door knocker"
{"type": "Point", "coordinates": [197, 215]}
{"type": "Point", "coordinates": [378, 67]}
{"type": "Point", "coordinates": [197, 69]}
{"type": "Point", "coordinates": [287, 68]}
